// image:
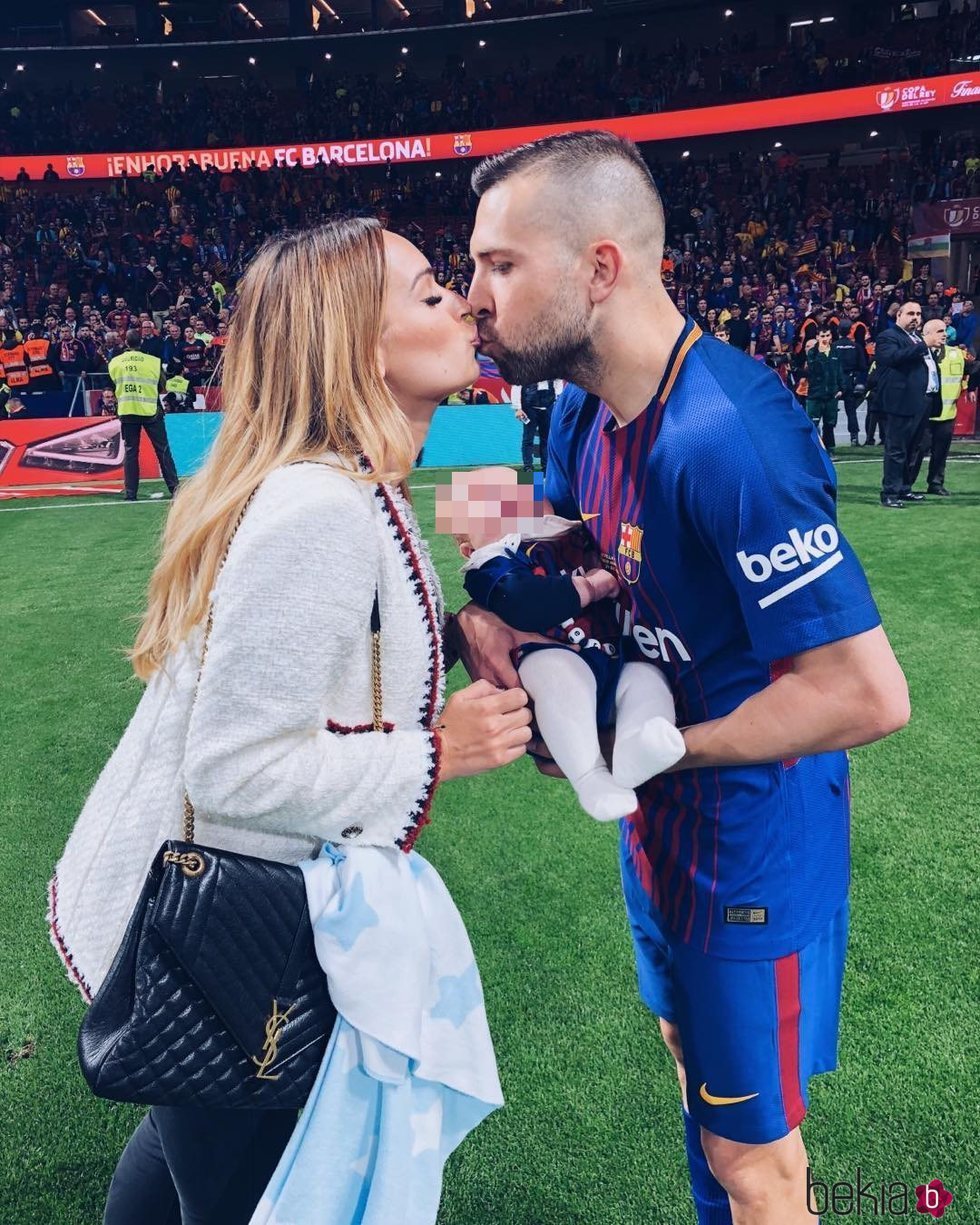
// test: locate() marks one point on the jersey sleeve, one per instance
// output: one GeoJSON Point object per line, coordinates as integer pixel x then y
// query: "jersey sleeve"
{"type": "Point", "coordinates": [763, 501]}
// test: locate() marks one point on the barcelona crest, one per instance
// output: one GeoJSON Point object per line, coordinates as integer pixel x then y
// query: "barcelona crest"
{"type": "Point", "coordinates": [75, 167]}
{"type": "Point", "coordinates": [628, 555]}
{"type": "Point", "coordinates": [463, 144]}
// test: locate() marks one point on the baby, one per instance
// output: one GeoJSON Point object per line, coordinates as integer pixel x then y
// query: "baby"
{"type": "Point", "coordinates": [540, 574]}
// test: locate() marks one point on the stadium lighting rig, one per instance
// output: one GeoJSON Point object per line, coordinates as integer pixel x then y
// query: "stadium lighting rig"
{"type": "Point", "coordinates": [249, 14]}
{"type": "Point", "coordinates": [322, 8]}
{"type": "Point", "coordinates": [96, 18]}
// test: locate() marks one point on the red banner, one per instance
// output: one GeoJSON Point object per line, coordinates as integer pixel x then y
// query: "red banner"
{"type": "Point", "coordinates": [71, 452]}
{"type": "Point", "coordinates": [947, 217]}
{"type": "Point", "coordinates": [929, 92]}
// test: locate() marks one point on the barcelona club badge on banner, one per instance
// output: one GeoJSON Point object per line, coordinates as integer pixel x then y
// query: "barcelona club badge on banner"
{"type": "Point", "coordinates": [629, 556]}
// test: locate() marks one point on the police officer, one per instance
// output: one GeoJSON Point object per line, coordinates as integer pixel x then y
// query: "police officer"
{"type": "Point", "coordinates": [825, 384]}
{"type": "Point", "coordinates": [854, 367]}
{"type": "Point", "coordinates": [138, 380]}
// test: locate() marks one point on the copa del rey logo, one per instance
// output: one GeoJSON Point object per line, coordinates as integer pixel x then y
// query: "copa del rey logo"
{"type": "Point", "coordinates": [905, 97]}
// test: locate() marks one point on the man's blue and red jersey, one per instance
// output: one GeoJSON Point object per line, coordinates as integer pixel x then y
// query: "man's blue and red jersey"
{"type": "Point", "coordinates": [717, 506]}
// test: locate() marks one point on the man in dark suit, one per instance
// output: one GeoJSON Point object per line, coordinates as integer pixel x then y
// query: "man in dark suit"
{"type": "Point", "coordinates": [908, 381]}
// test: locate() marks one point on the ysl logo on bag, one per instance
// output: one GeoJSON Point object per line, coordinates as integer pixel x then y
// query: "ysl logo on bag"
{"type": "Point", "coordinates": [270, 1049]}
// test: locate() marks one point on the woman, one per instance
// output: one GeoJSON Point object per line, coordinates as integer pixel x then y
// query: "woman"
{"type": "Point", "coordinates": [340, 350]}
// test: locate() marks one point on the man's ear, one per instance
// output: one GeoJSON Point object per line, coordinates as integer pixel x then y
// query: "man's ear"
{"type": "Point", "coordinates": [607, 269]}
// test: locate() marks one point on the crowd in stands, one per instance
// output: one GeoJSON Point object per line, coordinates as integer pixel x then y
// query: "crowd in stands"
{"type": "Point", "coordinates": [760, 251]}
{"type": "Point", "coordinates": [648, 77]}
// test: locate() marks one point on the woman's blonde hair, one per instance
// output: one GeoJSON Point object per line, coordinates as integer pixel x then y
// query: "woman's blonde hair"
{"type": "Point", "coordinates": [301, 376]}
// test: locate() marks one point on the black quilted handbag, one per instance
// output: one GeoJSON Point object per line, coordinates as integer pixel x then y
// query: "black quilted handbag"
{"type": "Point", "coordinates": [216, 996]}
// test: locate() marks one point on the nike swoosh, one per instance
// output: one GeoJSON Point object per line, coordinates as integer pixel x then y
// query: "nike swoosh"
{"type": "Point", "coordinates": [586, 518]}
{"type": "Point", "coordinates": [723, 1101]}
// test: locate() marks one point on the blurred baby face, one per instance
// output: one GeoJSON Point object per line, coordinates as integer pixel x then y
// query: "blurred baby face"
{"type": "Point", "coordinates": [483, 506]}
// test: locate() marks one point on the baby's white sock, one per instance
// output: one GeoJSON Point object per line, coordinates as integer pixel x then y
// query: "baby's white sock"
{"type": "Point", "coordinates": [563, 690]}
{"type": "Point", "coordinates": [647, 741]}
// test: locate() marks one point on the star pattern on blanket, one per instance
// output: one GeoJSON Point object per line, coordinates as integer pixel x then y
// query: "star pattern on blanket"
{"type": "Point", "coordinates": [427, 1129]}
{"type": "Point", "coordinates": [355, 916]}
{"type": "Point", "coordinates": [459, 994]}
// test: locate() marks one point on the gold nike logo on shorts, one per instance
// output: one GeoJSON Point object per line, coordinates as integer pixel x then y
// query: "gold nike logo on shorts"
{"type": "Point", "coordinates": [723, 1101]}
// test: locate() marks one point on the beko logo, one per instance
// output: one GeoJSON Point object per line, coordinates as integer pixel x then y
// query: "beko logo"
{"type": "Point", "coordinates": [802, 549]}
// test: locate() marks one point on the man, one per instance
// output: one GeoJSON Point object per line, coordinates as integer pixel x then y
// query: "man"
{"type": "Point", "coordinates": [107, 403]}
{"type": "Point", "coordinates": [853, 359]}
{"type": "Point", "coordinates": [13, 361]}
{"type": "Point", "coordinates": [906, 376]}
{"type": "Point", "coordinates": [739, 332]}
{"type": "Point", "coordinates": [72, 359]}
{"type": "Point", "coordinates": [137, 379]}
{"type": "Point", "coordinates": [708, 496]}
{"type": "Point", "coordinates": [192, 355]}
{"type": "Point", "coordinates": [42, 361]}
{"type": "Point", "coordinates": [536, 401]}
{"type": "Point", "coordinates": [150, 342]}
{"type": "Point", "coordinates": [966, 325]}
{"type": "Point", "coordinates": [825, 385]}
{"type": "Point", "coordinates": [938, 434]}
{"type": "Point", "coordinates": [160, 297]}
{"type": "Point", "coordinates": [171, 344]}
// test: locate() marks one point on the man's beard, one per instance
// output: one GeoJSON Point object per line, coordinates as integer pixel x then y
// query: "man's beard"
{"type": "Point", "coordinates": [561, 348]}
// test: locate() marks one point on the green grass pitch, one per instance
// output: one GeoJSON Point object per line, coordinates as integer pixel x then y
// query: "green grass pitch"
{"type": "Point", "coordinates": [591, 1134]}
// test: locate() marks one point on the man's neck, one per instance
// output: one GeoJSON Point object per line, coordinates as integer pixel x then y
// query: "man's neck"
{"type": "Point", "coordinates": [634, 356]}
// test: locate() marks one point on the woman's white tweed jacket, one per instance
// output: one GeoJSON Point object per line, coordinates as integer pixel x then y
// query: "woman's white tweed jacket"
{"type": "Point", "coordinates": [279, 755]}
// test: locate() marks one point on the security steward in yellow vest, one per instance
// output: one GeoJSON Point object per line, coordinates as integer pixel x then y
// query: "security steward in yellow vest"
{"type": "Point", "coordinates": [138, 380]}
{"type": "Point", "coordinates": [177, 394]}
{"type": "Point", "coordinates": [954, 367]}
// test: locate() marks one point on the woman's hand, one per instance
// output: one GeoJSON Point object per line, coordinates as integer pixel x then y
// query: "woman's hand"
{"type": "Point", "coordinates": [482, 727]}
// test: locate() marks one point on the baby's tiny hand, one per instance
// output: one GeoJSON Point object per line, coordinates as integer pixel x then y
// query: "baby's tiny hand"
{"type": "Point", "coordinates": [604, 584]}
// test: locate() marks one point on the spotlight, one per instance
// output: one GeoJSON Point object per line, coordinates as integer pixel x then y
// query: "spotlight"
{"type": "Point", "coordinates": [97, 65]}
{"type": "Point", "coordinates": [778, 144]}
{"type": "Point", "coordinates": [873, 133]}
{"type": "Point", "coordinates": [686, 153]}
{"type": "Point", "coordinates": [438, 174]}
{"type": "Point", "coordinates": [404, 51]}
{"type": "Point", "coordinates": [729, 13]}
{"type": "Point", "coordinates": [175, 63]}
{"type": "Point", "coordinates": [483, 42]}
{"type": "Point", "coordinates": [251, 59]}
{"type": "Point", "coordinates": [328, 56]}
{"type": "Point", "coordinates": [20, 67]}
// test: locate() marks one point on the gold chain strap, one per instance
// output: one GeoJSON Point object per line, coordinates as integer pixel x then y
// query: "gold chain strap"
{"type": "Point", "coordinates": [377, 696]}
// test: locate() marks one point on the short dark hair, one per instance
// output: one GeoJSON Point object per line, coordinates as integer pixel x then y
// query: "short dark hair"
{"type": "Point", "coordinates": [568, 152]}
{"type": "Point", "coordinates": [572, 159]}
{"type": "Point", "coordinates": [134, 338]}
